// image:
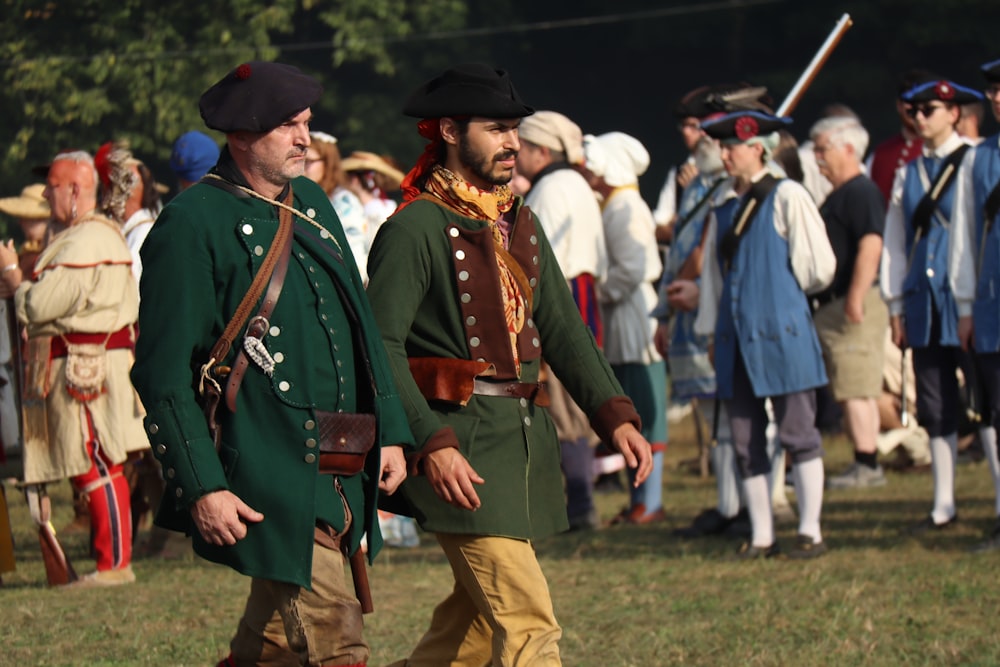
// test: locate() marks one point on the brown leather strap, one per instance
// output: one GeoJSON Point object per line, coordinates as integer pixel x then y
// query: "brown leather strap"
{"type": "Point", "coordinates": [281, 249]}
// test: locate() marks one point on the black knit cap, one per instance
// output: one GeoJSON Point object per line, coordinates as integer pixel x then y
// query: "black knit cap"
{"type": "Point", "coordinates": [744, 125]}
{"type": "Point", "coordinates": [470, 89]}
{"type": "Point", "coordinates": [258, 97]}
{"type": "Point", "coordinates": [991, 71]}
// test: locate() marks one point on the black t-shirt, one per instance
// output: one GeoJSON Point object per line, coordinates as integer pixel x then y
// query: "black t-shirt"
{"type": "Point", "coordinates": [851, 211]}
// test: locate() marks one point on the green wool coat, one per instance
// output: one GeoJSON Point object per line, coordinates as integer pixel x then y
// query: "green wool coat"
{"type": "Point", "coordinates": [434, 288]}
{"type": "Point", "coordinates": [198, 262]}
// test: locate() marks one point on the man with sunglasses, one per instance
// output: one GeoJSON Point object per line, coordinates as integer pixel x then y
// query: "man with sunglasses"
{"type": "Point", "coordinates": [974, 270]}
{"type": "Point", "coordinates": [914, 278]}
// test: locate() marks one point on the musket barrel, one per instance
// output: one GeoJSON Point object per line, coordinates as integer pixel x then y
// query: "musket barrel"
{"type": "Point", "coordinates": [792, 100]}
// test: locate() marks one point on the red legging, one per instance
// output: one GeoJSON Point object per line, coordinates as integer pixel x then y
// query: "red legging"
{"type": "Point", "coordinates": [110, 509]}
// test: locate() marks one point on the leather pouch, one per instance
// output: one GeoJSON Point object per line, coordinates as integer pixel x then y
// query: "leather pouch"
{"type": "Point", "coordinates": [344, 441]}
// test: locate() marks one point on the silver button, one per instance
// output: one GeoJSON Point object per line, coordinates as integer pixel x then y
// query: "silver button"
{"type": "Point", "coordinates": [463, 275]}
{"type": "Point", "coordinates": [535, 342]}
{"type": "Point", "coordinates": [466, 297]}
{"type": "Point", "coordinates": [930, 273]}
{"type": "Point", "coordinates": [471, 320]}
{"type": "Point", "coordinates": [311, 212]}
{"type": "Point", "coordinates": [309, 425]}
{"type": "Point", "coordinates": [274, 331]}
{"type": "Point", "coordinates": [312, 269]}
{"type": "Point", "coordinates": [258, 250]}
{"type": "Point", "coordinates": [154, 429]}
{"type": "Point", "coordinates": [523, 402]}
{"type": "Point", "coordinates": [161, 448]}
{"type": "Point", "coordinates": [534, 260]}
{"type": "Point", "coordinates": [533, 282]}
{"type": "Point", "coordinates": [248, 229]}
{"type": "Point", "coordinates": [527, 421]}
{"type": "Point", "coordinates": [278, 357]}
{"type": "Point", "coordinates": [302, 256]}
{"type": "Point", "coordinates": [531, 323]}
{"type": "Point", "coordinates": [480, 359]}
{"type": "Point", "coordinates": [339, 363]}
{"type": "Point", "coordinates": [343, 397]}
{"type": "Point", "coordinates": [459, 254]}
{"type": "Point", "coordinates": [309, 458]}
{"type": "Point", "coordinates": [323, 317]}
{"type": "Point", "coordinates": [336, 348]}
{"type": "Point", "coordinates": [343, 380]}
{"type": "Point", "coordinates": [324, 234]}
{"type": "Point", "coordinates": [533, 239]}
{"type": "Point", "coordinates": [171, 473]}
{"type": "Point", "coordinates": [179, 492]}
{"type": "Point", "coordinates": [311, 443]}
{"type": "Point", "coordinates": [284, 385]}
{"type": "Point", "coordinates": [453, 232]}
{"type": "Point", "coordinates": [474, 341]}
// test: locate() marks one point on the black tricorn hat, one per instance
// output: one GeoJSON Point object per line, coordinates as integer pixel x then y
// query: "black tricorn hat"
{"type": "Point", "coordinates": [258, 97]}
{"type": "Point", "coordinates": [991, 71]}
{"type": "Point", "coordinates": [744, 125]}
{"type": "Point", "coordinates": [943, 90]}
{"type": "Point", "coordinates": [470, 89]}
{"type": "Point", "coordinates": [722, 98]}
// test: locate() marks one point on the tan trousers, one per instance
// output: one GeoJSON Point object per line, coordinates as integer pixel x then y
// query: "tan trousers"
{"type": "Point", "coordinates": [498, 614]}
{"type": "Point", "coordinates": [284, 624]}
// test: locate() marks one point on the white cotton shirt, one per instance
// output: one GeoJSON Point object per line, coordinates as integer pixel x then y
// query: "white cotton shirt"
{"type": "Point", "coordinates": [571, 219]}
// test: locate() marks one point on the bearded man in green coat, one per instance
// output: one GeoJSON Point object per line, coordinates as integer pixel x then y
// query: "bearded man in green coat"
{"type": "Point", "coordinates": [469, 296]}
{"type": "Point", "coordinates": [301, 373]}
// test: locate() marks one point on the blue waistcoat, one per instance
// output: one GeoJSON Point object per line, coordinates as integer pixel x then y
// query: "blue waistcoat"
{"type": "Point", "coordinates": [986, 309]}
{"type": "Point", "coordinates": [926, 283]}
{"type": "Point", "coordinates": [764, 311]}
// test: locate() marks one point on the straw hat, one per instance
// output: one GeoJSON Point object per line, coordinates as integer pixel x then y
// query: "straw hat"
{"type": "Point", "coordinates": [365, 161]}
{"type": "Point", "coordinates": [29, 206]}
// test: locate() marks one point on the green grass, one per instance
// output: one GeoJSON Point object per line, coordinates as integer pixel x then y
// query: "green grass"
{"type": "Point", "coordinates": [625, 596]}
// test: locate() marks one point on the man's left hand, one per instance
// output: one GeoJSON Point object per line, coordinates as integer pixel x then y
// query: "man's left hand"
{"type": "Point", "coordinates": [393, 470]}
{"type": "Point", "coordinates": [854, 310]}
{"type": "Point", "coordinates": [630, 443]}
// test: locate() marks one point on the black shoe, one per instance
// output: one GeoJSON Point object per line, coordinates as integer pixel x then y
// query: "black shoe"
{"type": "Point", "coordinates": [927, 525]}
{"type": "Point", "coordinates": [806, 548]}
{"type": "Point", "coordinates": [749, 552]}
{"type": "Point", "coordinates": [992, 541]}
{"type": "Point", "coordinates": [740, 526]}
{"type": "Point", "coordinates": [709, 522]}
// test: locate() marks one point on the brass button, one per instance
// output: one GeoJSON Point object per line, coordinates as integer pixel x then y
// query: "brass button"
{"type": "Point", "coordinates": [309, 458]}
{"type": "Point", "coordinates": [310, 443]}
{"type": "Point", "coordinates": [309, 425]}
{"type": "Point", "coordinates": [154, 429]}
{"type": "Point", "coordinates": [179, 492]}
{"type": "Point", "coordinates": [161, 448]}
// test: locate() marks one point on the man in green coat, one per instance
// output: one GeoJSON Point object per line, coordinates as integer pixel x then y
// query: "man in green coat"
{"type": "Point", "coordinates": [468, 295]}
{"type": "Point", "coordinates": [293, 382]}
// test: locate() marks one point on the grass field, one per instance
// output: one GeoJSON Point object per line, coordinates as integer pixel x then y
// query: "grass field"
{"type": "Point", "coordinates": [626, 596]}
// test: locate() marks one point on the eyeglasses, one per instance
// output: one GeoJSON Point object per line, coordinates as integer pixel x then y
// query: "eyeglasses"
{"type": "Point", "coordinates": [689, 125]}
{"type": "Point", "coordinates": [926, 109]}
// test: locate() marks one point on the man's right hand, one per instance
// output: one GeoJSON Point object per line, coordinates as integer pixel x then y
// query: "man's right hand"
{"type": "Point", "coordinates": [221, 517]}
{"type": "Point", "coordinates": [965, 332]}
{"type": "Point", "coordinates": [452, 478]}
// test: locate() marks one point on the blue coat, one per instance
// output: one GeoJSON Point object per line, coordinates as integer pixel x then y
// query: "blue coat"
{"type": "Point", "coordinates": [926, 284]}
{"type": "Point", "coordinates": [764, 311]}
{"type": "Point", "coordinates": [986, 308]}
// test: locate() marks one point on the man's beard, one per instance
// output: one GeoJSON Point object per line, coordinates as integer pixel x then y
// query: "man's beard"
{"type": "Point", "coordinates": [485, 167]}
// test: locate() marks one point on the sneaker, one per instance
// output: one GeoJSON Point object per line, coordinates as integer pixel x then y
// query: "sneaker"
{"type": "Point", "coordinates": [857, 476]}
{"type": "Point", "coordinates": [807, 548]}
{"type": "Point", "coordinates": [103, 578]}
{"type": "Point", "coordinates": [992, 541]}
{"type": "Point", "coordinates": [748, 551]}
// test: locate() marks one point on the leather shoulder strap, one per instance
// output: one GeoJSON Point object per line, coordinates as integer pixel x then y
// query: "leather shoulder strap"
{"type": "Point", "coordinates": [745, 215]}
{"type": "Point", "coordinates": [921, 220]}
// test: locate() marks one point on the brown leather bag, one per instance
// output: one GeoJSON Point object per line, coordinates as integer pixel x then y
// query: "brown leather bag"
{"type": "Point", "coordinates": [345, 439]}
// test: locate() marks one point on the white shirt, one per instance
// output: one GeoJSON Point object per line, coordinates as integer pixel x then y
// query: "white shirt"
{"type": "Point", "coordinates": [797, 219]}
{"type": "Point", "coordinates": [895, 254]}
{"type": "Point", "coordinates": [571, 219]}
{"type": "Point", "coordinates": [963, 254]}
{"type": "Point", "coordinates": [666, 205]}
{"type": "Point", "coordinates": [136, 229]}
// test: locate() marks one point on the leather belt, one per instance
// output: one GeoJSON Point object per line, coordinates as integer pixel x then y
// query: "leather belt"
{"type": "Point", "coordinates": [532, 391]}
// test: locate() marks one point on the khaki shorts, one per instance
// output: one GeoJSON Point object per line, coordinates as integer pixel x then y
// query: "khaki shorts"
{"type": "Point", "coordinates": [854, 353]}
